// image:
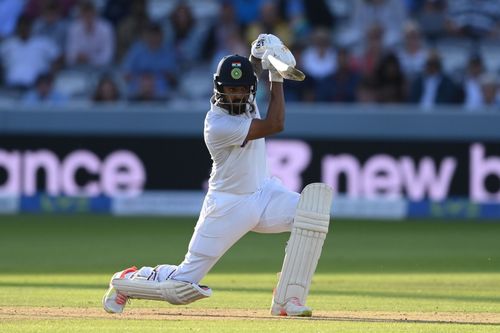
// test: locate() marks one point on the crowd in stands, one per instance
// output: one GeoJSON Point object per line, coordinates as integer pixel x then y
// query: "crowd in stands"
{"type": "Point", "coordinates": [421, 52]}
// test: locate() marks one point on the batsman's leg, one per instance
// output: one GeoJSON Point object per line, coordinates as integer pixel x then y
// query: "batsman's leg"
{"type": "Point", "coordinates": [114, 302]}
{"type": "Point", "coordinates": [150, 283]}
{"type": "Point", "coordinates": [309, 230]}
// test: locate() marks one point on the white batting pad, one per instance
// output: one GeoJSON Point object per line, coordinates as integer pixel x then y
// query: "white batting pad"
{"type": "Point", "coordinates": [309, 230]}
{"type": "Point", "coordinates": [172, 291]}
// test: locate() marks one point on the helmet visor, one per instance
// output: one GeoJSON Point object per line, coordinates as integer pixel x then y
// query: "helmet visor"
{"type": "Point", "coordinates": [235, 99]}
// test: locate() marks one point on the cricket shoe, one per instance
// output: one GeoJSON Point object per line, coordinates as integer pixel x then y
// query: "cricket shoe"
{"type": "Point", "coordinates": [292, 307]}
{"type": "Point", "coordinates": [113, 302]}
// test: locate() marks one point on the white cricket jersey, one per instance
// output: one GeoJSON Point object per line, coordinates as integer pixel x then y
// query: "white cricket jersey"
{"type": "Point", "coordinates": [237, 167]}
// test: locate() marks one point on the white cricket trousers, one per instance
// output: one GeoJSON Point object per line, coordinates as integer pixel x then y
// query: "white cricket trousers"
{"type": "Point", "coordinates": [225, 218]}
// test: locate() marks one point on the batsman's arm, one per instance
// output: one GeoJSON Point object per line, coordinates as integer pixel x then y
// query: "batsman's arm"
{"type": "Point", "coordinates": [275, 119]}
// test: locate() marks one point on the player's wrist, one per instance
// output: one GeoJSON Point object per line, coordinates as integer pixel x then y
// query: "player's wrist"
{"type": "Point", "coordinates": [274, 76]}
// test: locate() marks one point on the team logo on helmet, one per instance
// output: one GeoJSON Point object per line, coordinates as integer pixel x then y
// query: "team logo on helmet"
{"type": "Point", "coordinates": [236, 72]}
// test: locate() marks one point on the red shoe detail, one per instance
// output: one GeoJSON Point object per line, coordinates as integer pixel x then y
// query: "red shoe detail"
{"type": "Point", "coordinates": [121, 299]}
{"type": "Point", "coordinates": [128, 270]}
{"type": "Point", "coordinates": [283, 312]}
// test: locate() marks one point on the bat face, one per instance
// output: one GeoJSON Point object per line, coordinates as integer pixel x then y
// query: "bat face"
{"type": "Point", "coordinates": [286, 71]}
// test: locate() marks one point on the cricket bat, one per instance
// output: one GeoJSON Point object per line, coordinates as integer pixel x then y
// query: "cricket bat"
{"type": "Point", "coordinates": [286, 71]}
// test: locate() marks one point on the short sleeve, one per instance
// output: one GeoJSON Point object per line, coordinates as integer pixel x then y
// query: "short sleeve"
{"type": "Point", "coordinates": [224, 131]}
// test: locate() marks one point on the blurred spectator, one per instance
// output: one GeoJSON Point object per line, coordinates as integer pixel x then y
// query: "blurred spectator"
{"type": "Point", "coordinates": [186, 34]}
{"type": "Point", "coordinates": [413, 54]}
{"type": "Point", "coordinates": [489, 88]}
{"type": "Point", "coordinates": [10, 10]}
{"type": "Point", "coordinates": [318, 14]}
{"type": "Point", "coordinates": [106, 90]}
{"type": "Point", "coordinates": [131, 27]}
{"type": "Point", "coordinates": [298, 91]}
{"type": "Point", "coordinates": [34, 8]}
{"type": "Point", "coordinates": [367, 91]}
{"type": "Point", "coordinates": [432, 19]}
{"type": "Point", "coordinates": [116, 10]}
{"type": "Point", "coordinates": [471, 84]}
{"type": "Point", "coordinates": [44, 93]}
{"type": "Point", "coordinates": [433, 86]}
{"type": "Point", "coordinates": [474, 19]}
{"type": "Point", "coordinates": [413, 6]}
{"type": "Point", "coordinates": [232, 44]}
{"type": "Point", "coordinates": [150, 59]}
{"type": "Point", "coordinates": [90, 40]}
{"type": "Point", "coordinates": [342, 85]}
{"type": "Point", "coordinates": [390, 80]}
{"type": "Point", "coordinates": [224, 35]}
{"type": "Point", "coordinates": [148, 90]}
{"type": "Point", "coordinates": [390, 15]}
{"type": "Point", "coordinates": [319, 60]}
{"type": "Point", "coordinates": [247, 11]}
{"type": "Point", "coordinates": [51, 24]}
{"type": "Point", "coordinates": [25, 56]}
{"type": "Point", "coordinates": [370, 54]}
{"type": "Point", "coordinates": [294, 13]}
{"type": "Point", "coordinates": [270, 22]}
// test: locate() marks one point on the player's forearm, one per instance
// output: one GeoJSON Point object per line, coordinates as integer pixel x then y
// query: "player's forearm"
{"type": "Point", "coordinates": [275, 118]}
{"type": "Point", "coordinates": [276, 109]}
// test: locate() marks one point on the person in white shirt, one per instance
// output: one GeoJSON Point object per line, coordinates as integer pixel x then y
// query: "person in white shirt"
{"type": "Point", "coordinates": [320, 58]}
{"type": "Point", "coordinates": [24, 57]}
{"type": "Point", "coordinates": [413, 53]}
{"type": "Point", "coordinates": [390, 15]}
{"type": "Point", "coordinates": [90, 40]}
{"type": "Point", "coordinates": [241, 196]}
{"type": "Point", "coordinates": [471, 83]}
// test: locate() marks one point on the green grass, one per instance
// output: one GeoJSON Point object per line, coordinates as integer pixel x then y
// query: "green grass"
{"type": "Point", "coordinates": [65, 262]}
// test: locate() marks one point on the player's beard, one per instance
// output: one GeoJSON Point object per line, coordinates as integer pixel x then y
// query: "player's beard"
{"type": "Point", "coordinates": [234, 105]}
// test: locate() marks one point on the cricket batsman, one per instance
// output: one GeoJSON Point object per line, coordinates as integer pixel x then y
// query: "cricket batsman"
{"type": "Point", "coordinates": [242, 197]}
